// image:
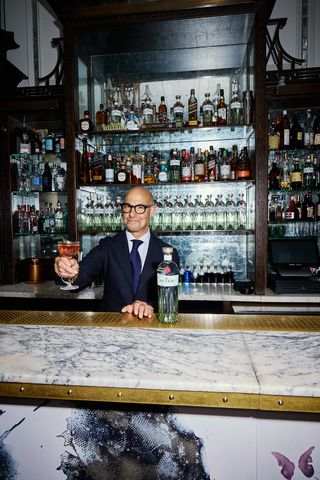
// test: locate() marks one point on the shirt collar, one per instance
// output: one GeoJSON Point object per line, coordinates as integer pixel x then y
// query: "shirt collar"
{"type": "Point", "coordinates": [145, 238]}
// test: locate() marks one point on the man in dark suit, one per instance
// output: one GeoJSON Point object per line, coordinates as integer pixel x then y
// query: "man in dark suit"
{"type": "Point", "coordinates": [125, 289]}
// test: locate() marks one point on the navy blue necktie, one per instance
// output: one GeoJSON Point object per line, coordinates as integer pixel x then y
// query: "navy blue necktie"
{"type": "Point", "coordinates": [136, 263]}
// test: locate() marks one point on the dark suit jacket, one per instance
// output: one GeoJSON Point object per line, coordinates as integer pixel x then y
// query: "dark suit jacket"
{"type": "Point", "coordinates": [111, 258]}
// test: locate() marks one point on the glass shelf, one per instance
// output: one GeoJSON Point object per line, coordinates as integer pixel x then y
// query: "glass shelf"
{"type": "Point", "coordinates": [240, 231]}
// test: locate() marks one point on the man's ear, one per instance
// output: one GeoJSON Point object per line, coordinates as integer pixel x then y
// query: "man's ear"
{"type": "Point", "coordinates": [153, 210]}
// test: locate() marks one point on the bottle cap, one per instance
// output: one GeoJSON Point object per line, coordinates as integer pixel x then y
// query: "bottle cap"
{"type": "Point", "coordinates": [167, 249]}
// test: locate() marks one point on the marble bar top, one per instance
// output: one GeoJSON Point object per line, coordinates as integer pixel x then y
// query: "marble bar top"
{"type": "Point", "coordinates": [115, 352]}
{"type": "Point", "coordinates": [186, 292]}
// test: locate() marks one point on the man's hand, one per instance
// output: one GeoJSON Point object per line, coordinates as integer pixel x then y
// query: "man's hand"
{"type": "Point", "coordinates": [139, 309]}
{"type": "Point", "coordinates": [66, 267]}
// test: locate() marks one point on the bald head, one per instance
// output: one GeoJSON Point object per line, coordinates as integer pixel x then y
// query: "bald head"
{"type": "Point", "coordinates": [138, 195]}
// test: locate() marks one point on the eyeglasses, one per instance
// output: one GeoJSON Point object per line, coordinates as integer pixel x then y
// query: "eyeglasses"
{"type": "Point", "coordinates": [140, 209]}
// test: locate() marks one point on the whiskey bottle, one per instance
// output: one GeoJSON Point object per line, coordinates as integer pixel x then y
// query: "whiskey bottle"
{"type": "Point", "coordinates": [86, 124]}
{"type": "Point", "coordinates": [296, 175]}
{"type": "Point", "coordinates": [109, 169]}
{"type": "Point", "coordinates": [207, 111]}
{"type": "Point", "coordinates": [290, 213]}
{"type": "Point", "coordinates": [192, 109]}
{"type": "Point", "coordinates": [100, 124]}
{"type": "Point", "coordinates": [273, 137]}
{"type": "Point", "coordinates": [308, 174]}
{"type": "Point", "coordinates": [85, 169]}
{"type": "Point", "coordinates": [243, 167]}
{"type": "Point", "coordinates": [274, 177]}
{"type": "Point", "coordinates": [296, 133]}
{"type": "Point", "coordinates": [163, 111]}
{"type": "Point", "coordinates": [186, 167]}
{"type": "Point", "coordinates": [279, 129]}
{"type": "Point", "coordinates": [122, 174]}
{"type": "Point", "coordinates": [236, 110]}
{"type": "Point", "coordinates": [199, 167]}
{"type": "Point", "coordinates": [178, 109]}
{"type": "Point", "coordinates": [222, 110]}
{"type": "Point", "coordinates": [47, 178]}
{"type": "Point", "coordinates": [225, 169]}
{"type": "Point", "coordinates": [308, 208]}
{"type": "Point", "coordinates": [212, 165]}
{"type": "Point", "coordinates": [137, 168]}
{"type": "Point", "coordinates": [97, 167]}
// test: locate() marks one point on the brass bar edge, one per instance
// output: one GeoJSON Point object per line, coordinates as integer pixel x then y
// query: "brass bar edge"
{"type": "Point", "coordinates": [226, 400]}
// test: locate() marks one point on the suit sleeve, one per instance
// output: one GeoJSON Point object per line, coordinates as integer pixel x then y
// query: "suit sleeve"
{"type": "Point", "coordinates": [93, 264]}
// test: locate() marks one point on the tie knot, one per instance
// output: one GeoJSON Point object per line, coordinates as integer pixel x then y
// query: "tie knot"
{"type": "Point", "coordinates": [136, 244]}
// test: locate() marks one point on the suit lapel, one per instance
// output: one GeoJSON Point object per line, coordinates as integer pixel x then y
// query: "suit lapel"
{"type": "Point", "coordinates": [121, 255]}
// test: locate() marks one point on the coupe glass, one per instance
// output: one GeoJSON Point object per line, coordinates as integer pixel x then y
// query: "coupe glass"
{"type": "Point", "coordinates": [69, 249]}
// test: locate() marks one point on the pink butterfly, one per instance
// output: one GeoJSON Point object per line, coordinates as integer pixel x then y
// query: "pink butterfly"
{"type": "Point", "coordinates": [288, 467]}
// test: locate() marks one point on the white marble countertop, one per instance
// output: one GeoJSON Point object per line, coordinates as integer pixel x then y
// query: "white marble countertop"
{"type": "Point", "coordinates": [207, 293]}
{"type": "Point", "coordinates": [195, 360]}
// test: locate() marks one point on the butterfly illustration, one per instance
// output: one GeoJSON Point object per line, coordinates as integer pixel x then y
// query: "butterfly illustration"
{"type": "Point", "coordinates": [288, 467]}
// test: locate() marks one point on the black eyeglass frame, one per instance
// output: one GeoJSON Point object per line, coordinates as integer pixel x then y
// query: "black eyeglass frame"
{"type": "Point", "coordinates": [130, 207]}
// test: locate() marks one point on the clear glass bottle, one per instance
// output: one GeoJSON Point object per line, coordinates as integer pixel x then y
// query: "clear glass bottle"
{"type": "Point", "coordinates": [207, 111]}
{"type": "Point", "coordinates": [178, 109]}
{"type": "Point", "coordinates": [236, 110]}
{"type": "Point", "coordinates": [175, 166]}
{"type": "Point", "coordinates": [168, 286]}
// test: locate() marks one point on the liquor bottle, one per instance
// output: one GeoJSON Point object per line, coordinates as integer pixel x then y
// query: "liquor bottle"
{"type": "Point", "coordinates": [85, 170]}
{"type": "Point", "coordinates": [298, 207]}
{"type": "Point", "coordinates": [178, 109]}
{"type": "Point", "coordinates": [100, 118]}
{"type": "Point", "coordinates": [24, 140]}
{"type": "Point", "coordinates": [86, 124]}
{"type": "Point", "coordinates": [212, 165]}
{"type": "Point", "coordinates": [147, 112]}
{"type": "Point", "coordinates": [308, 174]}
{"type": "Point", "coordinates": [174, 167]}
{"type": "Point", "coordinates": [116, 116]}
{"type": "Point", "coordinates": [222, 110]}
{"type": "Point", "coordinates": [286, 130]}
{"type": "Point", "coordinates": [296, 133]}
{"type": "Point", "coordinates": [137, 168]}
{"type": "Point", "coordinates": [274, 177]}
{"type": "Point", "coordinates": [247, 104]}
{"type": "Point", "coordinates": [273, 137]}
{"type": "Point", "coordinates": [200, 277]}
{"type": "Point", "coordinates": [207, 111]}
{"type": "Point", "coordinates": [317, 171]}
{"type": "Point", "coordinates": [192, 109]}
{"type": "Point", "coordinates": [225, 169]}
{"type": "Point", "coordinates": [318, 208]}
{"type": "Point", "coordinates": [167, 282]}
{"type": "Point", "coordinates": [290, 213]}
{"type": "Point", "coordinates": [163, 111]}
{"type": "Point", "coordinates": [285, 183]}
{"type": "Point", "coordinates": [316, 130]}
{"type": "Point", "coordinates": [308, 130]}
{"type": "Point", "coordinates": [308, 208]}
{"type": "Point", "coordinates": [296, 175]}
{"type": "Point", "coordinates": [49, 143]}
{"type": "Point", "coordinates": [149, 178]}
{"type": "Point", "coordinates": [186, 167]}
{"type": "Point", "coordinates": [199, 167]}
{"type": "Point", "coordinates": [122, 174]}
{"type": "Point", "coordinates": [236, 110]}
{"type": "Point", "coordinates": [47, 178]}
{"type": "Point", "coordinates": [163, 176]}
{"type": "Point", "coordinates": [234, 164]}
{"type": "Point", "coordinates": [132, 122]}
{"type": "Point", "coordinates": [109, 172]}
{"type": "Point", "coordinates": [279, 129]}
{"type": "Point", "coordinates": [98, 173]}
{"type": "Point", "coordinates": [243, 167]}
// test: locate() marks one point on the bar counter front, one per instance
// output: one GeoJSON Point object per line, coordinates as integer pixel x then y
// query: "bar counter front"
{"type": "Point", "coordinates": [108, 396]}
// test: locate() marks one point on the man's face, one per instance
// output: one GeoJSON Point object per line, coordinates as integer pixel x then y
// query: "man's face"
{"type": "Point", "coordinates": [138, 223]}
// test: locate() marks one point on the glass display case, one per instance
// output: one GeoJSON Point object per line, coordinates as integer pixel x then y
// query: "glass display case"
{"type": "Point", "coordinates": [170, 105]}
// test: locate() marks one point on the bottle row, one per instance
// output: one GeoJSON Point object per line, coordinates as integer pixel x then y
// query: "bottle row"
{"type": "Point", "coordinates": [179, 214]}
{"type": "Point", "coordinates": [200, 274]}
{"type": "Point", "coordinates": [38, 173]}
{"type": "Point", "coordinates": [164, 167]}
{"type": "Point", "coordinates": [281, 208]}
{"type": "Point", "coordinates": [294, 132]}
{"type": "Point", "coordinates": [290, 172]}
{"type": "Point", "coordinates": [29, 219]}
{"type": "Point", "coordinates": [39, 141]}
{"type": "Point", "coordinates": [126, 114]}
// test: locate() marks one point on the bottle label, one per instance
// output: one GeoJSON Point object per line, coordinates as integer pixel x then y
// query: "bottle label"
{"type": "Point", "coordinates": [178, 110]}
{"type": "Point", "coordinates": [235, 105]}
{"type": "Point", "coordinates": [163, 177]}
{"type": "Point", "coordinates": [225, 171]}
{"type": "Point", "coordinates": [186, 173]}
{"type": "Point", "coordinates": [137, 171]}
{"type": "Point", "coordinates": [167, 280]}
{"type": "Point", "coordinates": [286, 137]}
{"type": "Point", "coordinates": [310, 212]}
{"type": "Point", "coordinates": [207, 108]}
{"type": "Point", "coordinates": [174, 163]}
{"type": "Point", "coordinates": [308, 170]}
{"type": "Point", "coordinates": [296, 177]}
{"type": "Point", "coordinates": [289, 215]}
{"type": "Point", "coordinates": [199, 169]}
{"type": "Point", "coordinates": [299, 136]}
{"type": "Point", "coordinates": [274, 141]}
{"type": "Point", "coordinates": [85, 125]}
{"type": "Point", "coordinates": [148, 111]}
{"type": "Point", "coordinates": [317, 139]}
{"type": "Point", "coordinates": [121, 177]}
{"type": "Point", "coordinates": [222, 113]}
{"type": "Point", "coordinates": [109, 175]}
